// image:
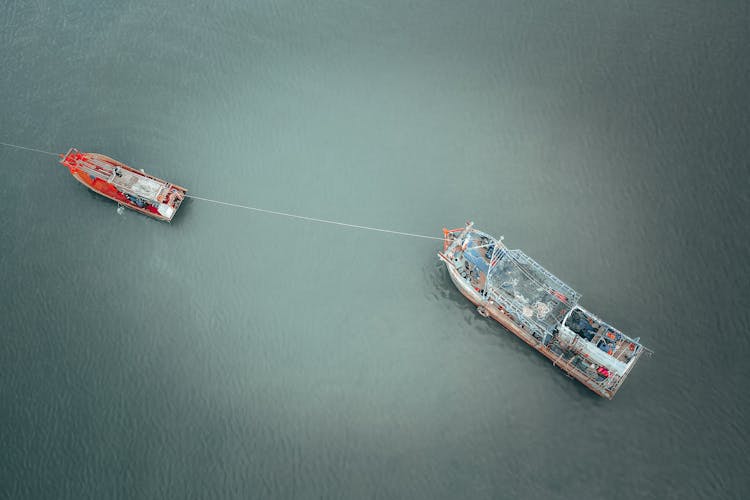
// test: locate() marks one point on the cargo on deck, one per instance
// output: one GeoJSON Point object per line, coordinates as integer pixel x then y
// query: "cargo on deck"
{"type": "Point", "coordinates": [513, 289]}
{"type": "Point", "coordinates": [127, 186]}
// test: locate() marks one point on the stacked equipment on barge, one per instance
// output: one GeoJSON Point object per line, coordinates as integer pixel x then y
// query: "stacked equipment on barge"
{"type": "Point", "coordinates": [511, 288]}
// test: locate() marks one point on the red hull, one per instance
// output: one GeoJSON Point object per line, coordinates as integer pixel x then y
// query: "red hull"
{"type": "Point", "coordinates": [80, 165]}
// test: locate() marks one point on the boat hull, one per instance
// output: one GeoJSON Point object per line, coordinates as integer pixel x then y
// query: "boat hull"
{"type": "Point", "coordinates": [107, 189]}
{"type": "Point", "coordinates": [492, 310]}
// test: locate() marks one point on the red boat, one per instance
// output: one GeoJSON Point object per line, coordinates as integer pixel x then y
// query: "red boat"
{"type": "Point", "coordinates": [127, 186]}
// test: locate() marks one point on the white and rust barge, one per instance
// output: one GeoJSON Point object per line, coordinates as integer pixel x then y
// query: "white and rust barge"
{"type": "Point", "coordinates": [514, 290]}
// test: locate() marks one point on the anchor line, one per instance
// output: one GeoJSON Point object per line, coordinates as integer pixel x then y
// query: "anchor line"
{"type": "Point", "coordinates": [313, 219]}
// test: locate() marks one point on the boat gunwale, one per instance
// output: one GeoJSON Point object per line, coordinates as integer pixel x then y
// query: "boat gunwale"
{"type": "Point", "coordinates": [79, 174]}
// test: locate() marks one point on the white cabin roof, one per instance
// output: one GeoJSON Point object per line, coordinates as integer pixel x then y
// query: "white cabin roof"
{"type": "Point", "coordinates": [138, 184]}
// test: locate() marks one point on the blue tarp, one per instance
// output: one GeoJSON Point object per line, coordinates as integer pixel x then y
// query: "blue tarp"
{"type": "Point", "coordinates": [473, 256]}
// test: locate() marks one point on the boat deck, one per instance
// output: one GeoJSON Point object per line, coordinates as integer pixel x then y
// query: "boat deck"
{"type": "Point", "coordinates": [543, 311]}
{"type": "Point", "coordinates": [131, 188]}
{"type": "Point", "coordinates": [138, 184]}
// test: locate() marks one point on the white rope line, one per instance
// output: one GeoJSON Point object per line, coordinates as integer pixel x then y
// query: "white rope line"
{"type": "Point", "coordinates": [28, 149]}
{"type": "Point", "coordinates": [273, 212]}
{"type": "Point", "coordinates": [313, 219]}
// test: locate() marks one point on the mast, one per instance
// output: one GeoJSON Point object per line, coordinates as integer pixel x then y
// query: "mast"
{"type": "Point", "coordinates": [494, 259]}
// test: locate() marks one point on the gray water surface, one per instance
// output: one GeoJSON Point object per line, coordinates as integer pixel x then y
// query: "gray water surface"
{"type": "Point", "coordinates": [233, 354]}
